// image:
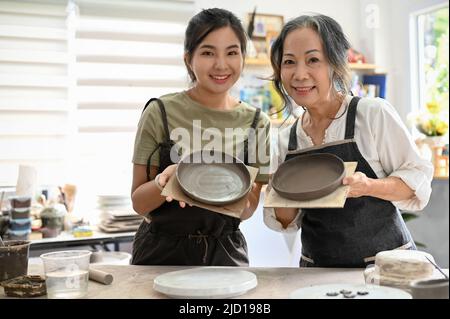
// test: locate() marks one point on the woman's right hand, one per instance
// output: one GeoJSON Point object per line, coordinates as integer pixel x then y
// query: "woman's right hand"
{"type": "Point", "coordinates": [164, 178]}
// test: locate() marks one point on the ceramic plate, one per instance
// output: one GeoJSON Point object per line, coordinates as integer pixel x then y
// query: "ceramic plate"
{"type": "Point", "coordinates": [373, 292]}
{"type": "Point", "coordinates": [218, 179]}
{"type": "Point", "coordinates": [205, 283]}
{"type": "Point", "coordinates": [308, 177]}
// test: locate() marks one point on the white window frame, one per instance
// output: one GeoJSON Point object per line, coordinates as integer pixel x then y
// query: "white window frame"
{"type": "Point", "coordinates": [417, 71]}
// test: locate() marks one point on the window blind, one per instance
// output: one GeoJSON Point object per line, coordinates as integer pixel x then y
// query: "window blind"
{"type": "Point", "coordinates": [74, 77]}
{"type": "Point", "coordinates": [34, 109]}
{"type": "Point", "coordinates": [126, 53]}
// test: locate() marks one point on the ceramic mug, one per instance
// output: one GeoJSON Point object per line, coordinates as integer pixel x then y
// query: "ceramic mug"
{"type": "Point", "coordinates": [430, 289]}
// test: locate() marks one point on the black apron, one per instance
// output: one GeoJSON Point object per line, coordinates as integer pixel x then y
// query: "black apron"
{"type": "Point", "coordinates": [353, 235]}
{"type": "Point", "coordinates": [188, 236]}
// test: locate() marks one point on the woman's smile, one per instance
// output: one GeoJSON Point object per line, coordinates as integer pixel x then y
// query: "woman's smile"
{"type": "Point", "coordinates": [220, 79]}
{"type": "Point", "coordinates": [303, 90]}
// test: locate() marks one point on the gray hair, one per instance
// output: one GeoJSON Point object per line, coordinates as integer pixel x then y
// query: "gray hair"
{"type": "Point", "coordinates": [335, 45]}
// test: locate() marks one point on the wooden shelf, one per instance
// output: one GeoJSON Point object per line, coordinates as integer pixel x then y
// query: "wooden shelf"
{"type": "Point", "coordinates": [363, 66]}
{"type": "Point", "coordinates": [440, 177]}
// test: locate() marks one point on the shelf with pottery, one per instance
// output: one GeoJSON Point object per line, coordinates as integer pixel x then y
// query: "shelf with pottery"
{"type": "Point", "coordinates": [363, 66]}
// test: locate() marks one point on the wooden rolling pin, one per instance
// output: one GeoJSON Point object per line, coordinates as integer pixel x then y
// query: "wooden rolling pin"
{"type": "Point", "coordinates": [100, 276]}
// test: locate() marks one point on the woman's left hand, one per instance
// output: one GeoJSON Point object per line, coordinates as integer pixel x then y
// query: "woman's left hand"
{"type": "Point", "coordinates": [359, 184]}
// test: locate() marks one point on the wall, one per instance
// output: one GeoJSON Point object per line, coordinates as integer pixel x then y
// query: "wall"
{"type": "Point", "coordinates": [342, 11]}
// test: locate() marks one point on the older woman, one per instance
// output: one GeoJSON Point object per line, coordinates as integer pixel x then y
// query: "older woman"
{"type": "Point", "coordinates": [309, 59]}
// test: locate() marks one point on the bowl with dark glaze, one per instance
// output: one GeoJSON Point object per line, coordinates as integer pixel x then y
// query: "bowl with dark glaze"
{"type": "Point", "coordinates": [309, 176]}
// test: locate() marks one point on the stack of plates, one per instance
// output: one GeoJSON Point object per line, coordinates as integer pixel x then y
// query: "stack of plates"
{"type": "Point", "coordinates": [108, 202]}
{"type": "Point", "coordinates": [116, 214]}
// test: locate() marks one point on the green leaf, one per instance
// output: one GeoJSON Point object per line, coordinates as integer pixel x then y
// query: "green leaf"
{"type": "Point", "coordinates": [419, 244]}
{"type": "Point", "coordinates": [409, 216]}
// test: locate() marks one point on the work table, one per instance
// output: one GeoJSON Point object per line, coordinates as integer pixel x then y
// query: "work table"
{"type": "Point", "coordinates": [273, 283]}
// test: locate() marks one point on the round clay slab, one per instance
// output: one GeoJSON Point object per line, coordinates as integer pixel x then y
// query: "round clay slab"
{"type": "Point", "coordinates": [205, 282]}
{"type": "Point", "coordinates": [219, 182]}
{"type": "Point", "coordinates": [328, 291]}
{"type": "Point", "coordinates": [308, 177]}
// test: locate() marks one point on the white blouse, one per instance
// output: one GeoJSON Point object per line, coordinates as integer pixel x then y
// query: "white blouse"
{"type": "Point", "coordinates": [383, 141]}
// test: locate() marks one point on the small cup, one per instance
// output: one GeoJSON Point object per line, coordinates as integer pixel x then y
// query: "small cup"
{"type": "Point", "coordinates": [430, 289]}
{"type": "Point", "coordinates": [20, 213]}
{"type": "Point", "coordinates": [20, 201]}
{"type": "Point", "coordinates": [67, 273]}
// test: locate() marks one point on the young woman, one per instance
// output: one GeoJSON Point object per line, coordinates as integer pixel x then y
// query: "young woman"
{"type": "Point", "coordinates": [173, 233]}
{"type": "Point", "coordinates": [309, 59]}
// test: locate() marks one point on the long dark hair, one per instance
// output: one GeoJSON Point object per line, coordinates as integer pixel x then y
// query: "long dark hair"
{"type": "Point", "coordinates": [335, 45]}
{"type": "Point", "coordinates": [202, 24]}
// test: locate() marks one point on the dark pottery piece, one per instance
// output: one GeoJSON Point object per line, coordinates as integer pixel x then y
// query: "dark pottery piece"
{"type": "Point", "coordinates": [20, 201]}
{"type": "Point", "coordinates": [308, 177]}
{"type": "Point", "coordinates": [25, 286]}
{"type": "Point", "coordinates": [20, 213]}
{"type": "Point", "coordinates": [430, 289]}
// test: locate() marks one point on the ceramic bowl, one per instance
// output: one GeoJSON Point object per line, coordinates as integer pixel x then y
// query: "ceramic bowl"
{"type": "Point", "coordinates": [430, 289]}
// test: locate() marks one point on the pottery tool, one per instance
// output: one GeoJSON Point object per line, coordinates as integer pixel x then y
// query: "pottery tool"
{"type": "Point", "coordinates": [63, 197]}
{"type": "Point", "coordinates": [70, 192]}
{"type": "Point", "coordinates": [437, 267]}
{"type": "Point", "coordinates": [100, 276]}
{"type": "Point", "coordinates": [1, 200]}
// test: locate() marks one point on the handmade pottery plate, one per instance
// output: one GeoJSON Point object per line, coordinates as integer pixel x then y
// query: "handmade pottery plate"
{"type": "Point", "coordinates": [214, 178]}
{"type": "Point", "coordinates": [349, 291]}
{"type": "Point", "coordinates": [205, 283]}
{"type": "Point", "coordinates": [310, 176]}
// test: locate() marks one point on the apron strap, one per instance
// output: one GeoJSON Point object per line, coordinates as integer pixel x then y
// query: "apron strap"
{"type": "Point", "coordinates": [293, 137]}
{"type": "Point", "coordinates": [166, 131]}
{"type": "Point", "coordinates": [163, 115]}
{"type": "Point", "coordinates": [351, 118]}
{"type": "Point", "coordinates": [256, 118]}
{"type": "Point", "coordinates": [251, 134]}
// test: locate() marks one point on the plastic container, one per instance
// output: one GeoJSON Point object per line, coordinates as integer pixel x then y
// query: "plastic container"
{"type": "Point", "coordinates": [67, 273]}
{"type": "Point", "coordinates": [14, 259]}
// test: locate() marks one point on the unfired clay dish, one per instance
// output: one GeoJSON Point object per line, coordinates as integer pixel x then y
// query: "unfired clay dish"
{"type": "Point", "coordinates": [213, 178]}
{"type": "Point", "coordinates": [307, 177]}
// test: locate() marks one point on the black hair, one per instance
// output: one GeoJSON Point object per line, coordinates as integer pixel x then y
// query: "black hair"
{"type": "Point", "coordinates": [205, 22]}
{"type": "Point", "coordinates": [335, 45]}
